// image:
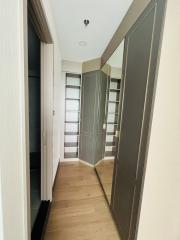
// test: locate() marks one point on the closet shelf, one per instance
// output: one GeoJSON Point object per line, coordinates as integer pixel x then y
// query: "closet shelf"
{"type": "Point", "coordinates": [113, 101]}
{"type": "Point", "coordinates": [110, 144]}
{"type": "Point", "coordinates": [71, 144]}
{"type": "Point", "coordinates": [113, 123]}
{"type": "Point", "coordinates": [72, 133]}
{"type": "Point", "coordinates": [115, 80]}
{"type": "Point", "coordinates": [76, 122]}
{"type": "Point", "coordinates": [110, 133]}
{"type": "Point", "coordinates": [73, 86]}
{"type": "Point", "coordinates": [114, 89]}
{"type": "Point", "coordinates": [71, 155]}
{"type": "Point", "coordinates": [73, 99]}
{"type": "Point", "coordinates": [73, 75]}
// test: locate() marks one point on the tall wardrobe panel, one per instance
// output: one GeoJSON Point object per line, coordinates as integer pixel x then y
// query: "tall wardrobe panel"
{"type": "Point", "coordinates": [141, 56]}
{"type": "Point", "coordinates": [92, 135]}
{"type": "Point", "coordinates": [87, 148]}
{"type": "Point", "coordinates": [89, 99]}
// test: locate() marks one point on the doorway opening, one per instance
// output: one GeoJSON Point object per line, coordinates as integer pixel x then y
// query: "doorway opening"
{"type": "Point", "coordinates": [40, 119]}
{"type": "Point", "coordinates": [34, 83]}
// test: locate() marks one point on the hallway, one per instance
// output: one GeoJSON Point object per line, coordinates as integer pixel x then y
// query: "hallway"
{"type": "Point", "coordinates": [79, 208]}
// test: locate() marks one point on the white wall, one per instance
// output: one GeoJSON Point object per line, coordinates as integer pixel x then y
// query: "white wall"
{"type": "Point", "coordinates": [160, 213]}
{"type": "Point", "coordinates": [57, 89]}
{"type": "Point", "coordinates": [12, 121]}
{"type": "Point", "coordinates": [1, 211]}
{"type": "Point", "coordinates": [12, 116]}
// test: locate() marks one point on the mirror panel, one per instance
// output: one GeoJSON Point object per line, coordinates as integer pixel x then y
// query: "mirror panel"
{"type": "Point", "coordinates": [105, 167]}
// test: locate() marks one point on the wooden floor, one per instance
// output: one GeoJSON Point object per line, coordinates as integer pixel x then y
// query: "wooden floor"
{"type": "Point", "coordinates": [79, 210]}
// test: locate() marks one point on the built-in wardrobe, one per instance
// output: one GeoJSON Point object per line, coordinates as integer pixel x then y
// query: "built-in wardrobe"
{"type": "Point", "coordinates": [92, 133]}
{"type": "Point", "coordinates": [135, 89]}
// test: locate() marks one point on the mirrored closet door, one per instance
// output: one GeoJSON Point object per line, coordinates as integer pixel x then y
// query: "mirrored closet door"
{"type": "Point", "coordinates": [105, 167]}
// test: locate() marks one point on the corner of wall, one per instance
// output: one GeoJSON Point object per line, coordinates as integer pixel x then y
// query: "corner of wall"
{"type": "Point", "coordinates": [58, 88]}
{"type": "Point", "coordinates": [91, 65]}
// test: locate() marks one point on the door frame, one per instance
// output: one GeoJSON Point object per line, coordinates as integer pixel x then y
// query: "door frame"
{"type": "Point", "coordinates": [35, 11]}
{"type": "Point", "coordinates": [47, 79]}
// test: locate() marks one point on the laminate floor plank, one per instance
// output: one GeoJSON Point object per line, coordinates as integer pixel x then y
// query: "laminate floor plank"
{"type": "Point", "coordinates": [79, 210]}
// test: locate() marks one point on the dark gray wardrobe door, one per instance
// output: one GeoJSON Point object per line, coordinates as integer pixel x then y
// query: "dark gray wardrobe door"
{"type": "Point", "coordinates": [92, 135]}
{"type": "Point", "coordinates": [89, 99]}
{"type": "Point", "coordinates": [140, 45]}
{"type": "Point", "coordinates": [88, 115]}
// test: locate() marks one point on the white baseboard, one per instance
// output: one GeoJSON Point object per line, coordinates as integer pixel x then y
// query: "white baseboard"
{"type": "Point", "coordinates": [99, 162]}
{"type": "Point", "coordinates": [70, 160]}
{"type": "Point", "coordinates": [109, 158]}
{"type": "Point", "coordinates": [86, 163]}
{"type": "Point", "coordinates": [104, 159]}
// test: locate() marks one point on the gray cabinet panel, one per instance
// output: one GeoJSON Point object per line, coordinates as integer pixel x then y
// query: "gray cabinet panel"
{"type": "Point", "coordinates": [92, 135]}
{"type": "Point", "coordinates": [141, 56]}
{"type": "Point", "coordinates": [99, 142]}
{"type": "Point", "coordinates": [89, 99]}
{"type": "Point", "coordinates": [87, 152]}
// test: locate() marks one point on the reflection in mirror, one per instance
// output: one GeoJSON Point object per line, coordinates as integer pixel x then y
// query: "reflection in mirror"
{"type": "Point", "coordinates": [113, 71]}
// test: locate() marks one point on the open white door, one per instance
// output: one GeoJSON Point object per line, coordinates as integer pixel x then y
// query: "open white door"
{"type": "Point", "coordinates": [47, 78]}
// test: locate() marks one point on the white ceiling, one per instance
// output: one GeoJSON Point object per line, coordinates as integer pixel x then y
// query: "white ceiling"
{"type": "Point", "coordinates": [104, 15]}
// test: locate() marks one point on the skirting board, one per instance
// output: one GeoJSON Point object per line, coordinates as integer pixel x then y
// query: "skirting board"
{"type": "Point", "coordinates": [86, 163]}
{"type": "Point", "coordinates": [76, 160]}
{"type": "Point", "coordinates": [109, 158]}
{"type": "Point", "coordinates": [104, 159]}
{"type": "Point", "coordinates": [69, 160]}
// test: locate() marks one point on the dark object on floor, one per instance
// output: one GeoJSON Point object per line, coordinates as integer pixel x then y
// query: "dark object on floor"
{"type": "Point", "coordinates": [41, 221]}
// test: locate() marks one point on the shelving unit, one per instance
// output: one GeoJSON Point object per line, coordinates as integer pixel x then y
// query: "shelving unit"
{"type": "Point", "coordinates": [72, 115]}
{"type": "Point", "coordinates": [113, 96]}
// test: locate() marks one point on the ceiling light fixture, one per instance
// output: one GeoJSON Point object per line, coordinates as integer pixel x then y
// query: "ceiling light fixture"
{"type": "Point", "coordinates": [86, 22]}
{"type": "Point", "coordinates": [83, 43]}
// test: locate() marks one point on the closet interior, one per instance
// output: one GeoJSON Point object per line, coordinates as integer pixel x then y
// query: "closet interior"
{"type": "Point", "coordinates": [34, 120]}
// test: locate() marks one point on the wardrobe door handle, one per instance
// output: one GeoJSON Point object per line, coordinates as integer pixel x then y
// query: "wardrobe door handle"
{"type": "Point", "coordinates": [117, 133]}
{"type": "Point", "coordinates": [104, 126]}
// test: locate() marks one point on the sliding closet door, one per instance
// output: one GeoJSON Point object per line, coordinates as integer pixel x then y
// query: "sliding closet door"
{"type": "Point", "coordinates": [142, 44]}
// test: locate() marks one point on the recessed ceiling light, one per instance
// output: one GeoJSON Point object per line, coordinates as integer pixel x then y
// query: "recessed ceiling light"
{"type": "Point", "coordinates": [83, 43]}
